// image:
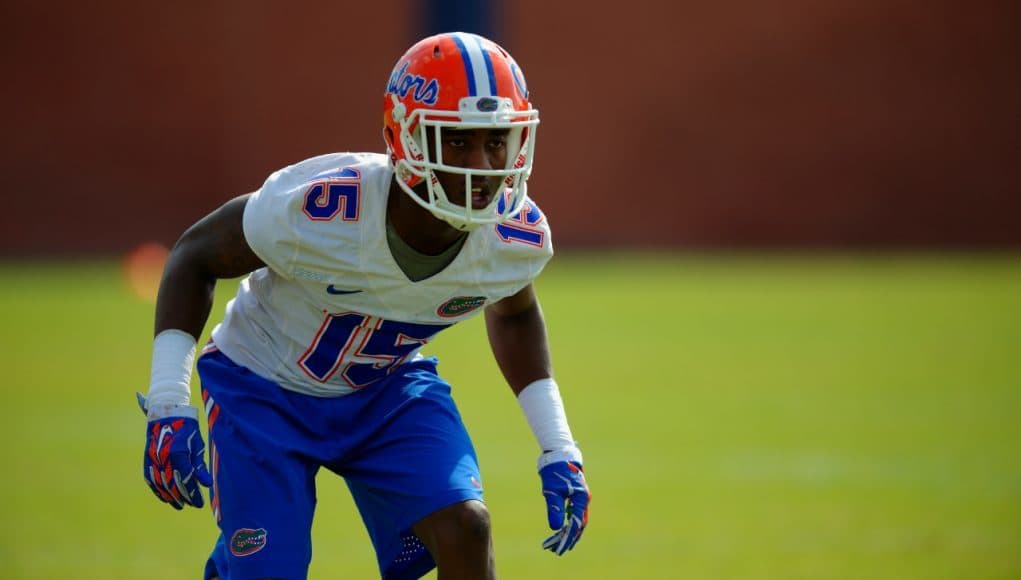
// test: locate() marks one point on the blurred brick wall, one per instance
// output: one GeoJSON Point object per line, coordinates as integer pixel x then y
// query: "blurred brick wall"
{"type": "Point", "coordinates": [130, 120]}
{"type": "Point", "coordinates": [835, 123]}
{"type": "Point", "coordinates": [869, 123]}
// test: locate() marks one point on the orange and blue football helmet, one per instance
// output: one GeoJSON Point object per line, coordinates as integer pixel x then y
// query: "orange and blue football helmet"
{"type": "Point", "coordinates": [458, 80]}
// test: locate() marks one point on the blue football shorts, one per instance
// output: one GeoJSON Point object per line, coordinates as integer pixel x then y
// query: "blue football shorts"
{"type": "Point", "coordinates": [400, 446]}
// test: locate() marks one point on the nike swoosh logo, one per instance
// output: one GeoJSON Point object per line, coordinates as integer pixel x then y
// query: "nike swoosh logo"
{"type": "Point", "coordinates": [164, 432]}
{"type": "Point", "coordinates": [330, 289]}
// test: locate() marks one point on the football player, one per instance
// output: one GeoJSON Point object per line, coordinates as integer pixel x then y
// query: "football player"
{"type": "Point", "coordinates": [354, 262]}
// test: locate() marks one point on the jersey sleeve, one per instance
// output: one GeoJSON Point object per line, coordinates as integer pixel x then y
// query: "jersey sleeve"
{"type": "Point", "coordinates": [526, 240]}
{"type": "Point", "coordinates": [269, 223]}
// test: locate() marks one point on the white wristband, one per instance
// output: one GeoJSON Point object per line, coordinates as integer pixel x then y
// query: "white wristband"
{"type": "Point", "coordinates": [173, 353]}
{"type": "Point", "coordinates": [544, 409]}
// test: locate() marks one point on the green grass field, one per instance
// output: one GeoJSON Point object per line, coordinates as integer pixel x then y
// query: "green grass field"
{"type": "Point", "coordinates": [741, 417]}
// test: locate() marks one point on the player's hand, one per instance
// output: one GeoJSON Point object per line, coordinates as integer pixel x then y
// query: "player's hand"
{"type": "Point", "coordinates": [174, 463]}
{"type": "Point", "coordinates": [567, 498]}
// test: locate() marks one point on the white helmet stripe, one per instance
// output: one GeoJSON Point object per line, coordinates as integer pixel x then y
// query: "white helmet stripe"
{"type": "Point", "coordinates": [478, 67]}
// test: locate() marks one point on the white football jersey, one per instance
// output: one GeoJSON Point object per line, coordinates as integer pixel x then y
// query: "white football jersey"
{"type": "Point", "coordinates": [333, 312]}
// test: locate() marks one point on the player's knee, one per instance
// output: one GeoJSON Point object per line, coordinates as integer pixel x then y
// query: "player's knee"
{"type": "Point", "coordinates": [472, 522]}
{"type": "Point", "coordinates": [456, 530]}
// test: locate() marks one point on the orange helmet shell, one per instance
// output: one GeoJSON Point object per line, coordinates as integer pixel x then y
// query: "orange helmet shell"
{"type": "Point", "coordinates": [456, 80]}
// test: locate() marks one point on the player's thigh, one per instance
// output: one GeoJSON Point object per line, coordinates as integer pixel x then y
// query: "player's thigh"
{"type": "Point", "coordinates": [263, 493]}
{"type": "Point", "coordinates": [420, 461]}
{"type": "Point", "coordinates": [263, 499]}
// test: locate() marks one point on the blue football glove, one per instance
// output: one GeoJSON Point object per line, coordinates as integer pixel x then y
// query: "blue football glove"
{"type": "Point", "coordinates": [174, 463]}
{"type": "Point", "coordinates": [567, 498]}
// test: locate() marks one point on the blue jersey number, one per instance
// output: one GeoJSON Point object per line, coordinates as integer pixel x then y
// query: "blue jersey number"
{"type": "Point", "coordinates": [363, 349]}
{"type": "Point", "coordinates": [521, 228]}
{"type": "Point", "coordinates": [340, 193]}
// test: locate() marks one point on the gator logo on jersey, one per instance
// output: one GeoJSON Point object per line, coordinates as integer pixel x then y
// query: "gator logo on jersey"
{"type": "Point", "coordinates": [247, 541]}
{"type": "Point", "coordinates": [460, 305]}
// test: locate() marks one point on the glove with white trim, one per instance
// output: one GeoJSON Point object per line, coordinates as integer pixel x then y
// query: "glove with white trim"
{"type": "Point", "coordinates": [174, 463]}
{"type": "Point", "coordinates": [567, 498]}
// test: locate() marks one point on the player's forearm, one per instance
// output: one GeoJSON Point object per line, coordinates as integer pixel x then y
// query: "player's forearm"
{"type": "Point", "coordinates": [522, 351]}
{"type": "Point", "coordinates": [186, 293]}
{"type": "Point", "coordinates": [520, 345]}
{"type": "Point", "coordinates": [213, 248]}
{"type": "Point", "coordinates": [182, 308]}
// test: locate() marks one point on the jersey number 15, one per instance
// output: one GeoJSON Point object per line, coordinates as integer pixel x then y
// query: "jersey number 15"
{"type": "Point", "coordinates": [363, 349]}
